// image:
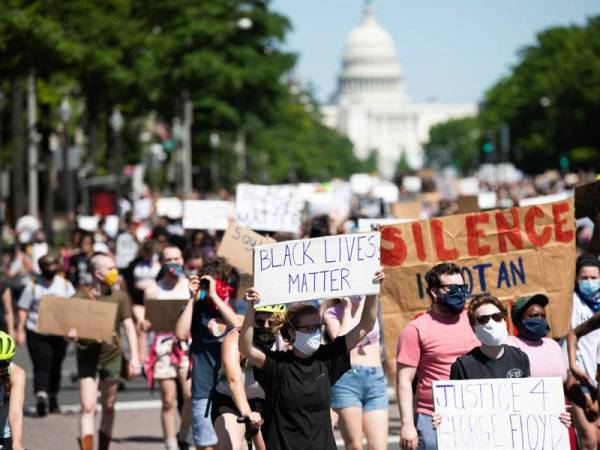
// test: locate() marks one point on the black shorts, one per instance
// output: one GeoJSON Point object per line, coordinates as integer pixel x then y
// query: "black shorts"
{"type": "Point", "coordinates": [6, 444]}
{"type": "Point", "coordinates": [93, 362]}
{"type": "Point", "coordinates": [223, 404]}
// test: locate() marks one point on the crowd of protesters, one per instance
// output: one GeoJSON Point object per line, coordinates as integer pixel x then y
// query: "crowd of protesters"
{"type": "Point", "coordinates": [283, 377]}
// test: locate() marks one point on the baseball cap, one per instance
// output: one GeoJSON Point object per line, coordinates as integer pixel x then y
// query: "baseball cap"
{"type": "Point", "coordinates": [522, 303]}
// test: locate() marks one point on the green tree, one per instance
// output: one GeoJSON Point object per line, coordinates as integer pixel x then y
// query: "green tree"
{"type": "Point", "coordinates": [454, 142]}
{"type": "Point", "coordinates": [550, 99]}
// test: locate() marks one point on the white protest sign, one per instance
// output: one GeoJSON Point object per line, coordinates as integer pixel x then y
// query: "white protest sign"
{"type": "Point", "coordinates": [269, 208]}
{"type": "Point", "coordinates": [387, 191]}
{"type": "Point", "coordinates": [503, 414]}
{"type": "Point", "coordinates": [468, 186]}
{"type": "Point", "coordinates": [542, 199]}
{"type": "Point", "coordinates": [142, 208]}
{"type": "Point", "coordinates": [111, 225]}
{"type": "Point", "coordinates": [170, 207]}
{"type": "Point", "coordinates": [306, 269]}
{"type": "Point", "coordinates": [361, 183]}
{"type": "Point", "coordinates": [207, 214]}
{"type": "Point", "coordinates": [87, 223]}
{"type": "Point", "coordinates": [487, 200]}
{"type": "Point", "coordinates": [367, 224]}
{"type": "Point", "coordinates": [126, 250]}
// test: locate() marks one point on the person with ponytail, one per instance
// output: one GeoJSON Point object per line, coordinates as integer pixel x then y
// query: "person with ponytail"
{"type": "Point", "coordinates": [297, 382]}
{"type": "Point", "coordinates": [12, 396]}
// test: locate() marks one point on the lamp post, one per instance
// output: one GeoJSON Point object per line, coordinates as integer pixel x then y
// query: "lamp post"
{"type": "Point", "coordinates": [65, 115]}
{"type": "Point", "coordinates": [116, 124]}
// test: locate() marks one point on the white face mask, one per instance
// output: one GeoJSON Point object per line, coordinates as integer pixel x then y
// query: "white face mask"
{"type": "Point", "coordinates": [307, 343]}
{"type": "Point", "coordinates": [492, 333]}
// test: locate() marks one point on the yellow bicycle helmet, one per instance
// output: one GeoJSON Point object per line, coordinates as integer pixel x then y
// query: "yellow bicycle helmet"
{"type": "Point", "coordinates": [7, 347]}
{"type": "Point", "coordinates": [271, 308]}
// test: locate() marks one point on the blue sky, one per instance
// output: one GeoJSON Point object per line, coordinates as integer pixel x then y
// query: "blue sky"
{"type": "Point", "coordinates": [452, 50]}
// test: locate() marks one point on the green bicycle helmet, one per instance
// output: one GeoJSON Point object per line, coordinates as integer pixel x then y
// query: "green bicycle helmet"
{"type": "Point", "coordinates": [7, 347]}
{"type": "Point", "coordinates": [271, 308]}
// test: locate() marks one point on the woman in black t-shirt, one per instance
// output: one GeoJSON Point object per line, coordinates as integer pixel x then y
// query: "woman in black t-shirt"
{"type": "Point", "coordinates": [297, 382]}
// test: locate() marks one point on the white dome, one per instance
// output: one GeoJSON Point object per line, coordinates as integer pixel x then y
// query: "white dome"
{"type": "Point", "coordinates": [370, 62]}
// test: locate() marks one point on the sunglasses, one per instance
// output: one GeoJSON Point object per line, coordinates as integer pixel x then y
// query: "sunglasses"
{"type": "Point", "coordinates": [309, 328]}
{"type": "Point", "coordinates": [263, 323]}
{"type": "Point", "coordinates": [455, 288]}
{"type": "Point", "coordinates": [485, 318]}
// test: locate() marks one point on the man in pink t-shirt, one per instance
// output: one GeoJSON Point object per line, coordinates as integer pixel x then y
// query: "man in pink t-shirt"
{"type": "Point", "coordinates": [426, 349]}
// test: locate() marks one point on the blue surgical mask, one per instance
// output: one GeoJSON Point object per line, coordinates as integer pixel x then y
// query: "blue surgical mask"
{"type": "Point", "coordinates": [533, 329]}
{"type": "Point", "coordinates": [174, 268]}
{"type": "Point", "coordinates": [589, 287]}
{"type": "Point", "coordinates": [454, 300]}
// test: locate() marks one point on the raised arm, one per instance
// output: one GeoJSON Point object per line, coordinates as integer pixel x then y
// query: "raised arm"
{"type": "Point", "coordinates": [226, 311]}
{"type": "Point", "coordinates": [588, 326]}
{"type": "Point", "coordinates": [15, 409]}
{"type": "Point", "coordinates": [9, 316]}
{"type": "Point", "coordinates": [247, 348]}
{"type": "Point", "coordinates": [367, 318]}
{"type": "Point", "coordinates": [577, 371]}
{"type": "Point", "coordinates": [336, 327]}
{"type": "Point", "coordinates": [184, 323]}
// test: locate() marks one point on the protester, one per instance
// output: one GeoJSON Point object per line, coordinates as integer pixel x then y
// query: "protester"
{"type": "Point", "coordinates": [99, 364]}
{"type": "Point", "coordinates": [12, 396]}
{"type": "Point", "coordinates": [528, 314]}
{"type": "Point", "coordinates": [77, 270]}
{"type": "Point", "coordinates": [583, 354]}
{"type": "Point", "coordinates": [168, 361]}
{"type": "Point", "coordinates": [237, 393]}
{"type": "Point", "coordinates": [428, 346]}
{"type": "Point", "coordinates": [207, 316]}
{"type": "Point", "coordinates": [46, 351]}
{"type": "Point", "coordinates": [359, 396]}
{"type": "Point", "coordinates": [492, 359]}
{"type": "Point", "coordinates": [297, 382]}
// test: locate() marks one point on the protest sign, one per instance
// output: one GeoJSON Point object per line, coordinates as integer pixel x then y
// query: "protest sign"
{"type": "Point", "coordinates": [163, 314]}
{"type": "Point", "coordinates": [487, 200]}
{"type": "Point", "coordinates": [87, 223]}
{"type": "Point", "coordinates": [368, 224]}
{"type": "Point", "coordinates": [503, 414]}
{"type": "Point", "coordinates": [411, 183]}
{"type": "Point", "coordinates": [361, 183]}
{"type": "Point", "coordinates": [468, 204]}
{"type": "Point", "coordinates": [142, 208]}
{"type": "Point", "coordinates": [207, 214]}
{"type": "Point", "coordinates": [468, 186]}
{"type": "Point", "coordinates": [541, 199]}
{"type": "Point", "coordinates": [126, 250]}
{"type": "Point", "coordinates": [92, 319]}
{"type": "Point", "coordinates": [170, 207]}
{"type": "Point", "coordinates": [332, 266]}
{"type": "Point", "coordinates": [507, 253]}
{"type": "Point", "coordinates": [386, 190]}
{"type": "Point", "coordinates": [407, 210]}
{"type": "Point", "coordinates": [269, 208]}
{"type": "Point", "coordinates": [237, 245]}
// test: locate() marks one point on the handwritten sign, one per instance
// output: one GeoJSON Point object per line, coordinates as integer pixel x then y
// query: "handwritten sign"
{"type": "Point", "coordinates": [269, 208]}
{"type": "Point", "coordinates": [507, 253]}
{"type": "Point", "coordinates": [332, 266]}
{"type": "Point", "coordinates": [163, 314]}
{"type": "Point", "coordinates": [238, 244]}
{"type": "Point", "coordinates": [503, 414]}
{"type": "Point", "coordinates": [92, 319]}
{"type": "Point", "coordinates": [170, 207]}
{"type": "Point", "coordinates": [207, 214]}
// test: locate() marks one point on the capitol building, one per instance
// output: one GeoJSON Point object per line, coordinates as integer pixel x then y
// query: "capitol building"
{"type": "Point", "coordinates": [371, 107]}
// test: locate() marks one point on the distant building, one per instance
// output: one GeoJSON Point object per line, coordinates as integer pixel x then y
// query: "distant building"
{"type": "Point", "coordinates": [371, 107]}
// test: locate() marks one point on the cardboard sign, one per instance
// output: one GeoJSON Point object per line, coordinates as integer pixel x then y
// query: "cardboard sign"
{"type": "Point", "coordinates": [407, 210]}
{"type": "Point", "coordinates": [170, 207]}
{"type": "Point", "coordinates": [503, 414]}
{"type": "Point", "coordinates": [368, 224]}
{"type": "Point", "coordinates": [332, 266]}
{"type": "Point", "coordinates": [207, 214]}
{"type": "Point", "coordinates": [507, 253]}
{"type": "Point", "coordinates": [542, 199]}
{"type": "Point", "coordinates": [269, 208]}
{"type": "Point", "coordinates": [237, 246]}
{"type": "Point", "coordinates": [163, 314]}
{"type": "Point", "coordinates": [92, 319]}
{"type": "Point", "coordinates": [587, 200]}
{"type": "Point", "coordinates": [468, 204]}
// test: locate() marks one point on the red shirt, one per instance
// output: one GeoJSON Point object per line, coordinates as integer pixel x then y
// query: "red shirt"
{"type": "Point", "coordinates": [431, 343]}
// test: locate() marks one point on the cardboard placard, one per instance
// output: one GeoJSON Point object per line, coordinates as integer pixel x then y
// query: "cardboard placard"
{"type": "Point", "coordinates": [407, 210]}
{"type": "Point", "coordinates": [503, 414]}
{"type": "Point", "coordinates": [306, 269]}
{"type": "Point", "coordinates": [92, 319]}
{"type": "Point", "coordinates": [163, 314]}
{"type": "Point", "coordinates": [468, 204]}
{"type": "Point", "coordinates": [170, 207]}
{"type": "Point", "coordinates": [368, 224]}
{"type": "Point", "coordinates": [237, 246]}
{"type": "Point", "coordinates": [587, 200]}
{"type": "Point", "coordinates": [507, 253]}
{"type": "Point", "coordinates": [541, 199]}
{"type": "Point", "coordinates": [269, 208]}
{"type": "Point", "coordinates": [207, 214]}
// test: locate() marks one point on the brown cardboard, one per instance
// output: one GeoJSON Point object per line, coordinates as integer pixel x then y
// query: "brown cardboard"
{"type": "Point", "coordinates": [468, 204]}
{"type": "Point", "coordinates": [237, 244]}
{"type": "Point", "coordinates": [163, 314]}
{"type": "Point", "coordinates": [541, 261]}
{"type": "Point", "coordinates": [92, 319]}
{"type": "Point", "coordinates": [407, 210]}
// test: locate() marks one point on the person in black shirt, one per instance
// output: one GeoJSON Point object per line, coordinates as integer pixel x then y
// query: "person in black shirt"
{"type": "Point", "coordinates": [297, 382]}
{"type": "Point", "coordinates": [492, 359]}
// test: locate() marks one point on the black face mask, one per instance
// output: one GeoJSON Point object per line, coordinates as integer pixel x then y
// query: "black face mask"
{"type": "Point", "coordinates": [263, 338]}
{"type": "Point", "coordinates": [47, 273]}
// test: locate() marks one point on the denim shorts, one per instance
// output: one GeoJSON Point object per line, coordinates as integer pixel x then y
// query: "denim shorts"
{"type": "Point", "coordinates": [426, 433]}
{"type": "Point", "coordinates": [202, 428]}
{"type": "Point", "coordinates": [361, 386]}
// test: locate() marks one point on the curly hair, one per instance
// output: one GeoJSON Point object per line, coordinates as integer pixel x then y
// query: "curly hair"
{"type": "Point", "coordinates": [283, 321]}
{"type": "Point", "coordinates": [484, 299]}
{"type": "Point", "coordinates": [433, 275]}
{"type": "Point", "coordinates": [216, 267]}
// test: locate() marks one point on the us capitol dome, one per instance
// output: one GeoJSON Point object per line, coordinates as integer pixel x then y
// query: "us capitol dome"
{"type": "Point", "coordinates": [370, 105]}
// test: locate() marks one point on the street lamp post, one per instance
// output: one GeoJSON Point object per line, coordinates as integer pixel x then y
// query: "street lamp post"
{"type": "Point", "coordinates": [116, 123]}
{"type": "Point", "coordinates": [65, 115]}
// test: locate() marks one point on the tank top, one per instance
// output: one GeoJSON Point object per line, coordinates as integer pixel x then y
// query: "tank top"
{"type": "Point", "coordinates": [180, 292]}
{"type": "Point", "coordinates": [4, 427]}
